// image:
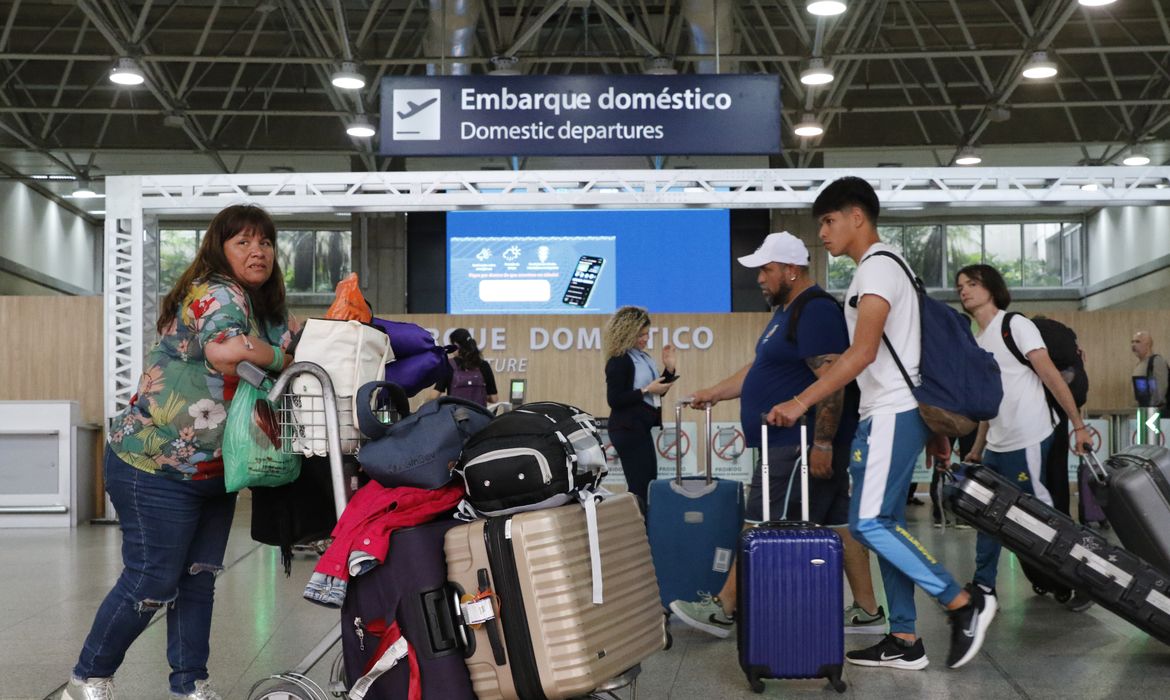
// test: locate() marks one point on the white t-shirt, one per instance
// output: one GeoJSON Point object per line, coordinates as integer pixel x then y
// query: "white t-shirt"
{"type": "Point", "coordinates": [883, 388]}
{"type": "Point", "coordinates": [1024, 418]}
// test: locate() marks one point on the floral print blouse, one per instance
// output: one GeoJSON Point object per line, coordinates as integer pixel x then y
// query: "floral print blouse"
{"type": "Point", "coordinates": [174, 425]}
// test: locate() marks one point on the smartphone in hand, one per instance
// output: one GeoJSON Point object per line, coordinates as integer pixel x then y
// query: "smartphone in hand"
{"type": "Point", "coordinates": [669, 380]}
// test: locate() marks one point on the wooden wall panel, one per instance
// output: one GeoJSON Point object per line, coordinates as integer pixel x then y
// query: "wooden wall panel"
{"type": "Point", "coordinates": [1105, 337]}
{"type": "Point", "coordinates": [52, 349]}
{"type": "Point", "coordinates": [576, 375]}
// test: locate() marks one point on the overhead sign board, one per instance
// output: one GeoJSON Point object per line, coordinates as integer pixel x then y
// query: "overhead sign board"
{"type": "Point", "coordinates": [580, 115]}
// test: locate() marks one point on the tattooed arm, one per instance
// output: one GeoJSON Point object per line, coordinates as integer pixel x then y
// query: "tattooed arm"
{"type": "Point", "coordinates": [828, 418]}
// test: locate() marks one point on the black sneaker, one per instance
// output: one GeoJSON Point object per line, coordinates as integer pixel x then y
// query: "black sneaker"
{"type": "Point", "coordinates": [891, 652]}
{"type": "Point", "coordinates": [969, 626]}
{"type": "Point", "coordinates": [1078, 601]}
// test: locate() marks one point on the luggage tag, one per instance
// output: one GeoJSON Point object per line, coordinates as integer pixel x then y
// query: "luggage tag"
{"type": "Point", "coordinates": [477, 609]}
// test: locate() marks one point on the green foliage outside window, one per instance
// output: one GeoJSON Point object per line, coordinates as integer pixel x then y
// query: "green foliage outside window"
{"type": "Point", "coordinates": [312, 262]}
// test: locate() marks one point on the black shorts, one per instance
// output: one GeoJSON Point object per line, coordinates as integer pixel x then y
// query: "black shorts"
{"type": "Point", "coordinates": [828, 498]}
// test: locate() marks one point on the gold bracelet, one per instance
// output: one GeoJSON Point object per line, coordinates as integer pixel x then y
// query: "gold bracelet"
{"type": "Point", "coordinates": [797, 400]}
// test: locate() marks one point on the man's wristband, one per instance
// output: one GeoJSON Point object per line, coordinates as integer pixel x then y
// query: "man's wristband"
{"type": "Point", "coordinates": [277, 363]}
{"type": "Point", "coordinates": [801, 403]}
{"type": "Point", "coordinates": [822, 447]}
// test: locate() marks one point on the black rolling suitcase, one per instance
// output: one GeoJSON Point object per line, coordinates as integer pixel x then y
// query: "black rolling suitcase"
{"type": "Point", "coordinates": [1075, 555]}
{"type": "Point", "coordinates": [1133, 488]}
{"type": "Point", "coordinates": [409, 590]}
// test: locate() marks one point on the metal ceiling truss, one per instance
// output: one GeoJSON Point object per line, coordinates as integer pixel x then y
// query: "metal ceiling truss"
{"type": "Point", "coordinates": [135, 204]}
{"type": "Point", "coordinates": [239, 75]}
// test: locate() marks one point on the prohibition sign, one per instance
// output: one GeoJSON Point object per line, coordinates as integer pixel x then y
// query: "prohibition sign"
{"type": "Point", "coordinates": [733, 447]}
{"type": "Point", "coordinates": [1094, 439]}
{"type": "Point", "coordinates": [666, 446]}
{"type": "Point", "coordinates": [1161, 439]}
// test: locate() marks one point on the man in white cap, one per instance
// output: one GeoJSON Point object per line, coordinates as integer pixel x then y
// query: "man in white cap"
{"type": "Point", "coordinates": [805, 336]}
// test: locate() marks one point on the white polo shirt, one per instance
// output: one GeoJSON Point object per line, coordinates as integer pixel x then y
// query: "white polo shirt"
{"type": "Point", "coordinates": [1024, 418]}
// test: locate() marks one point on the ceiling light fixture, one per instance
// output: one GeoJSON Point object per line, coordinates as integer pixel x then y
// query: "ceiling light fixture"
{"type": "Point", "coordinates": [126, 72]}
{"type": "Point", "coordinates": [825, 8]}
{"type": "Point", "coordinates": [348, 78]}
{"type": "Point", "coordinates": [504, 65]}
{"type": "Point", "coordinates": [1137, 157]}
{"type": "Point", "coordinates": [1096, 3]}
{"type": "Point", "coordinates": [808, 126]}
{"type": "Point", "coordinates": [360, 127]}
{"type": "Point", "coordinates": [816, 73]}
{"type": "Point", "coordinates": [1039, 67]}
{"type": "Point", "coordinates": [968, 156]}
{"type": "Point", "coordinates": [83, 190]}
{"type": "Point", "coordinates": [659, 65]}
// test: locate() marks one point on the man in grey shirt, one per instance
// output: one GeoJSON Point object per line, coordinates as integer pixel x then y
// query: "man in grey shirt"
{"type": "Point", "coordinates": [1150, 365]}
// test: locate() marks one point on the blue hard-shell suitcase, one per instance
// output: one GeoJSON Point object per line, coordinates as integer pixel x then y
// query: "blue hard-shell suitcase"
{"type": "Point", "coordinates": [693, 524]}
{"type": "Point", "coordinates": [791, 621]}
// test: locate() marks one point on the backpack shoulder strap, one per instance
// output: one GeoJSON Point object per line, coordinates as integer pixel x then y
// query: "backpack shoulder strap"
{"type": "Point", "coordinates": [918, 287]}
{"type": "Point", "coordinates": [1006, 331]}
{"type": "Point", "coordinates": [915, 280]}
{"type": "Point", "coordinates": [797, 308]}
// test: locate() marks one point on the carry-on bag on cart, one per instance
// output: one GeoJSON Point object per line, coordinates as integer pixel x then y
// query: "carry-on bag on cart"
{"type": "Point", "coordinates": [1133, 489]}
{"type": "Point", "coordinates": [790, 615]}
{"type": "Point", "coordinates": [693, 524]}
{"type": "Point", "coordinates": [410, 590]}
{"type": "Point", "coordinates": [525, 584]}
{"type": "Point", "coordinates": [1076, 555]}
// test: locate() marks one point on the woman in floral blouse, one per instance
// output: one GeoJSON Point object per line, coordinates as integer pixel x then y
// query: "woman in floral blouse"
{"type": "Point", "coordinates": [163, 464]}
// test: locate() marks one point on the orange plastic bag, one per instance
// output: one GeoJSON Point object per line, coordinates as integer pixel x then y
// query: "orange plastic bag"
{"type": "Point", "coordinates": [348, 302]}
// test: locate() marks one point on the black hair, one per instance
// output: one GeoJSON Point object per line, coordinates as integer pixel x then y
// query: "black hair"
{"type": "Point", "coordinates": [991, 280]}
{"type": "Point", "coordinates": [468, 355]}
{"type": "Point", "coordinates": [848, 192]}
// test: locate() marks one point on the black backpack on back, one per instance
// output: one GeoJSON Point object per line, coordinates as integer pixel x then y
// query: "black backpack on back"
{"type": "Point", "coordinates": [1061, 342]}
{"type": "Point", "coordinates": [852, 399]}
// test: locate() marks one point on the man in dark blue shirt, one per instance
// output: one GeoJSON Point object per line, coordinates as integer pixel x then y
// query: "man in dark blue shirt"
{"type": "Point", "coordinates": [806, 334]}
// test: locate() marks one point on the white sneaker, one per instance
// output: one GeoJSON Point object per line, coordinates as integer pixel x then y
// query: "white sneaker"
{"type": "Point", "coordinates": [203, 691]}
{"type": "Point", "coordinates": [89, 689]}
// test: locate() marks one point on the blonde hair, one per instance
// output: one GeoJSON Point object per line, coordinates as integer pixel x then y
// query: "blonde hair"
{"type": "Point", "coordinates": [622, 329]}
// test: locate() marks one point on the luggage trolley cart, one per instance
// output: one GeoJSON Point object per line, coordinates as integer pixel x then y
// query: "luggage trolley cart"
{"type": "Point", "coordinates": [300, 414]}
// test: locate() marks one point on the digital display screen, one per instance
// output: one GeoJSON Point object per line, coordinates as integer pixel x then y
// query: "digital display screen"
{"type": "Point", "coordinates": [588, 261]}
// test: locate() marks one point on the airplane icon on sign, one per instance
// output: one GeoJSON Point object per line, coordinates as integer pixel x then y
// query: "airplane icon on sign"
{"type": "Point", "coordinates": [415, 108]}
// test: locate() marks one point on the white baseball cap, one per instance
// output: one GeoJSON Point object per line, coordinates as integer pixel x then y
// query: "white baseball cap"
{"type": "Point", "coordinates": [780, 247]}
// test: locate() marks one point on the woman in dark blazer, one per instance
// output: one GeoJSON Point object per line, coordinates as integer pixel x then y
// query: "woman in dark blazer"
{"type": "Point", "coordinates": [634, 391]}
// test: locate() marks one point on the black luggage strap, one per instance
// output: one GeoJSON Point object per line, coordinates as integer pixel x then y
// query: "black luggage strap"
{"type": "Point", "coordinates": [493, 632]}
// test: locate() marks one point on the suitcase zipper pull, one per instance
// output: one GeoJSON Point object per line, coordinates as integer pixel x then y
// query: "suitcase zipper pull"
{"type": "Point", "coordinates": [360, 631]}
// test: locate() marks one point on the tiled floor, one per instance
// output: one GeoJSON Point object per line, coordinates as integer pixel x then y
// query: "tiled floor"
{"type": "Point", "coordinates": [51, 582]}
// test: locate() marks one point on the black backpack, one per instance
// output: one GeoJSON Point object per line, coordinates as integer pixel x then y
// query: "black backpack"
{"type": "Point", "coordinates": [852, 399]}
{"type": "Point", "coordinates": [1061, 342]}
{"type": "Point", "coordinates": [540, 455]}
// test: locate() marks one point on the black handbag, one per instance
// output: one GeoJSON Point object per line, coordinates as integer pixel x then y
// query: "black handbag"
{"type": "Point", "coordinates": [421, 449]}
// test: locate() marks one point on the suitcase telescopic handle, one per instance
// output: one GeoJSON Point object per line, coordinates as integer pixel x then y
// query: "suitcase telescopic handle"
{"type": "Point", "coordinates": [765, 485]}
{"type": "Point", "coordinates": [678, 411]}
{"type": "Point", "coordinates": [1095, 467]}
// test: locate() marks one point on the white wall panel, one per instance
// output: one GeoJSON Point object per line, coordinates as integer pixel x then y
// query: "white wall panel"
{"type": "Point", "coordinates": [1122, 238]}
{"type": "Point", "coordinates": [41, 235]}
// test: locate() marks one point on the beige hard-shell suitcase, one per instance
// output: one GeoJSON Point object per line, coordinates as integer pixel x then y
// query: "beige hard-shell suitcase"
{"type": "Point", "coordinates": [548, 638]}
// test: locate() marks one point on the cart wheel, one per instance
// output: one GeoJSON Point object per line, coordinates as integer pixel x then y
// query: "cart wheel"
{"type": "Point", "coordinates": [669, 641]}
{"type": "Point", "coordinates": [1038, 590]}
{"type": "Point", "coordinates": [757, 685]}
{"type": "Point", "coordinates": [286, 691]}
{"type": "Point", "coordinates": [287, 686]}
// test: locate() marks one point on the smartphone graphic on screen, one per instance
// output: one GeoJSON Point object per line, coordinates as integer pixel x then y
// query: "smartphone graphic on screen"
{"type": "Point", "coordinates": [584, 277]}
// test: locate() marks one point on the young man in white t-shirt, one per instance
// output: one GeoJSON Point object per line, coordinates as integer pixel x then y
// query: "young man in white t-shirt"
{"type": "Point", "coordinates": [882, 301]}
{"type": "Point", "coordinates": [1016, 442]}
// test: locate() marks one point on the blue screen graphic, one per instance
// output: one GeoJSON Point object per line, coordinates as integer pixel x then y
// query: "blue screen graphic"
{"type": "Point", "coordinates": [565, 262]}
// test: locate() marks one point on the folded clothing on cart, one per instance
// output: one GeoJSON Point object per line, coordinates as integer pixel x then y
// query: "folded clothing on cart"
{"type": "Point", "coordinates": [361, 539]}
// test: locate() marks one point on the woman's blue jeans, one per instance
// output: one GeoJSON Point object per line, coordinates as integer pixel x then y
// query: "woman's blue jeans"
{"type": "Point", "coordinates": [174, 534]}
